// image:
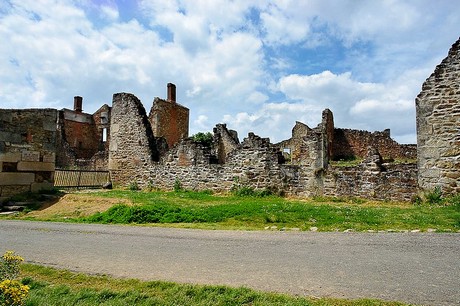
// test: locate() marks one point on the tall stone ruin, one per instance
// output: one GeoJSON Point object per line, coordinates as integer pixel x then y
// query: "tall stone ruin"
{"type": "Point", "coordinates": [438, 126]}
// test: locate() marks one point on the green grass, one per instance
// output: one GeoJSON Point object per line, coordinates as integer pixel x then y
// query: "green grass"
{"type": "Point", "coordinates": [59, 287]}
{"type": "Point", "coordinates": [204, 210]}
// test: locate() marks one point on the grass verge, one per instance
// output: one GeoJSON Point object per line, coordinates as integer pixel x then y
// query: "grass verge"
{"type": "Point", "coordinates": [207, 211]}
{"type": "Point", "coordinates": [59, 287]}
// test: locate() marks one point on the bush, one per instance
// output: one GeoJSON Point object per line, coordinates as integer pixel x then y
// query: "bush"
{"type": "Point", "coordinates": [12, 292]}
{"type": "Point", "coordinates": [242, 190]}
{"type": "Point", "coordinates": [133, 186]}
{"type": "Point", "coordinates": [435, 196]}
{"type": "Point", "coordinates": [178, 185]}
{"type": "Point", "coordinates": [205, 139]}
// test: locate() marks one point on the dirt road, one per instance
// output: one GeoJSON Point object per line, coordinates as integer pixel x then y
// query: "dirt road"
{"type": "Point", "coordinates": [421, 268]}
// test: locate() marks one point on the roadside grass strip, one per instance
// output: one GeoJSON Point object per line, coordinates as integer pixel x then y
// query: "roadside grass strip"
{"type": "Point", "coordinates": [49, 286]}
{"type": "Point", "coordinates": [189, 209]}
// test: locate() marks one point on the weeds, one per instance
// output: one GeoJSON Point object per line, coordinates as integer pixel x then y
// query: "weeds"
{"type": "Point", "coordinates": [133, 186]}
{"type": "Point", "coordinates": [240, 189]}
{"type": "Point", "coordinates": [178, 186]}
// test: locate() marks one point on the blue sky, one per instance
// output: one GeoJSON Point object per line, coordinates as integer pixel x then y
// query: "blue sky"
{"type": "Point", "coordinates": [256, 65]}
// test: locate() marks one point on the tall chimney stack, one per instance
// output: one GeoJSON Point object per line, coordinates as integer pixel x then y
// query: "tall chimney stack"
{"type": "Point", "coordinates": [77, 104]}
{"type": "Point", "coordinates": [171, 92]}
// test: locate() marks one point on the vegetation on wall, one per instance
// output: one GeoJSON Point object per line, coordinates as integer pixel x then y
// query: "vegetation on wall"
{"type": "Point", "coordinates": [205, 139]}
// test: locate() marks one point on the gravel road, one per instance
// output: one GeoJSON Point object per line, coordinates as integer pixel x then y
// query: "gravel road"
{"type": "Point", "coordinates": [422, 268]}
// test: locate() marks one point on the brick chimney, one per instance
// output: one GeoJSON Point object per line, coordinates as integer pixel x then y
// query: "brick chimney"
{"type": "Point", "coordinates": [77, 104]}
{"type": "Point", "coordinates": [171, 92]}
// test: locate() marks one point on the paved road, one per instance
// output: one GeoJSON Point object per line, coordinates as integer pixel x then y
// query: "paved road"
{"type": "Point", "coordinates": [410, 267]}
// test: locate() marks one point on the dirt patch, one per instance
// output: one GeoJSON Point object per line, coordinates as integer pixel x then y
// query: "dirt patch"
{"type": "Point", "coordinates": [75, 205]}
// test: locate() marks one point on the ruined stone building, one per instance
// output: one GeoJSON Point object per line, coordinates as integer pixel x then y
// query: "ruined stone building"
{"type": "Point", "coordinates": [155, 150]}
{"type": "Point", "coordinates": [438, 126]}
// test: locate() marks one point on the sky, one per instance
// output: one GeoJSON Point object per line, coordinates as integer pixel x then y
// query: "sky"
{"type": "Point", "coordinates": [258, 66]}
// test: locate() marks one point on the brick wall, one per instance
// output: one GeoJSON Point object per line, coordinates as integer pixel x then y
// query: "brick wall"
{"type": "Point", "coordinates": [27, 150]}
{"type": "Point", "coordinates": [438, 126]}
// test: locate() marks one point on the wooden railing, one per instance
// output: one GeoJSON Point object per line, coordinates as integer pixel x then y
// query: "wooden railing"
{"type": "Point", "coordinates": [80, 178]}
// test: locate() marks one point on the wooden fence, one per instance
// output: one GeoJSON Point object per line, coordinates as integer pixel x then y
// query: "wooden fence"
{"type": "Point", "coordinates": [80, 178]}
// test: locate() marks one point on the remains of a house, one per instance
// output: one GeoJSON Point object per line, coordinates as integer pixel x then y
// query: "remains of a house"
{"type": "Point", "coordinates": [155, 150]}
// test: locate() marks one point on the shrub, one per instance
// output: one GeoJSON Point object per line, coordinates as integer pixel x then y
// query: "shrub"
{"type": "Point", "coordinates": [205, 139]}
{"type": "Point", "coordinates": [243, 190]}
{"type": "Point", "coordinates": [178, 185]}
{"type": "Point", "coordinates": [435, 196]}
{"type": "Point", "coordinates": [12, 292]}
{"type": "Point", "coordinates": [133, 186]}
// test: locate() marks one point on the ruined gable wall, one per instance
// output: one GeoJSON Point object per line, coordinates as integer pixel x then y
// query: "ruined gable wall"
{"type": "Point", "coordinates": [80, 133]}
{"type": "Point", "coordinates": [27, 150]}
{"type": "Point", "coordinates": [169, 120]}
{"type": "Point", "coordinates": [354, 143]}
{"type": "Point", "coordinates": [224, 142]}
{"type": "Point", "coordinates": [132, 145]}
{"type": "Point", "coordinates": [101, 119]}
{"type": "Point", "coordinates": [293, 145]}
{"type": "Point", "coordinates": [438, 126]}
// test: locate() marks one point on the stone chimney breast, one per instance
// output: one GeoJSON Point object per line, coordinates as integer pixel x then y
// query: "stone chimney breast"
{"type": "Point", "coordinates": [171, 92]}
{"type": "Point", "coordinates": [78, 104]}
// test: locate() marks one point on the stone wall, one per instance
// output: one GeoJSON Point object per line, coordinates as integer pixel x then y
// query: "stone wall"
{"type": "Point", "coordinates": [169, 120]}
{"type": "Point", "coordinates": [372, 179]}
{"type": "Point", "coordinates": [254, 162]}
{"type": "Point", "coordinates": [354, 143]}
{"type": "Point", "coordinates": [438, 126]}
{"type": "Point", "coordinates": [27, 150]}
{"type": "Point", "coordinates": [83, 139]}
{"type": "Point", "coordinates": [132, 144]}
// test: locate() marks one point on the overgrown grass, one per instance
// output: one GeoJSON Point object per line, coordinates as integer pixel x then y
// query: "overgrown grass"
{"type": "Point", "coordinates": [204, 210]}
{"type": "Point", "coordinates": [58, 287]}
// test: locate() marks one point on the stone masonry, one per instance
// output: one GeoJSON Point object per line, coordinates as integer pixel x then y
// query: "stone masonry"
{"type": "Point", "coordinates": [255, 162]}
{"type": "Point", "coordinates": [168, 118]}
{"type": "Point", "coordinates": [27, 150]}
{"type": "Point", "coordinates": [155, 151]}
{"type": "Point", "coordinates": [438, 126]}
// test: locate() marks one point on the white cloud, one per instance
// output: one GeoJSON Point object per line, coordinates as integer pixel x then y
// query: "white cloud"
{"type": "Point", "coordinates": [109, 12]}
{"type": "Point", "coordinates": [258, 64]}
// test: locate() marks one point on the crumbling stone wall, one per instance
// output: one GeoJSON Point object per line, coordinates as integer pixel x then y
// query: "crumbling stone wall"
{"type": "Point", "coordinates": [169, 119]}
{"type": "Point", "coordinates": [438, 126]}
{"type": "Point", "coordinates": [80, 133]}
{"type": "Point", "coordinates": [224, 142]}
{"type": "Point", "coordinates": [83, 139]}
{"type": "Point", "coordinates": [372, 179]}
{"type": "Point", "coordinates": [132, 144]}
{"type": "Point", "coordinates": [254, 162]}
{"type": "Point", "coordinates": [27, 150]}
{"type": "Point", "coordinates": [354, 143]}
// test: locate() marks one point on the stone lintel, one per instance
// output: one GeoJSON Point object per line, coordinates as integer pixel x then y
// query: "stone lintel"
{"type": "Point", "coordinates": [10, 157]}
{"type": "Point", "coordinates": [16, 178]}
{"type": "Point", "coordinates": [35, 166]}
